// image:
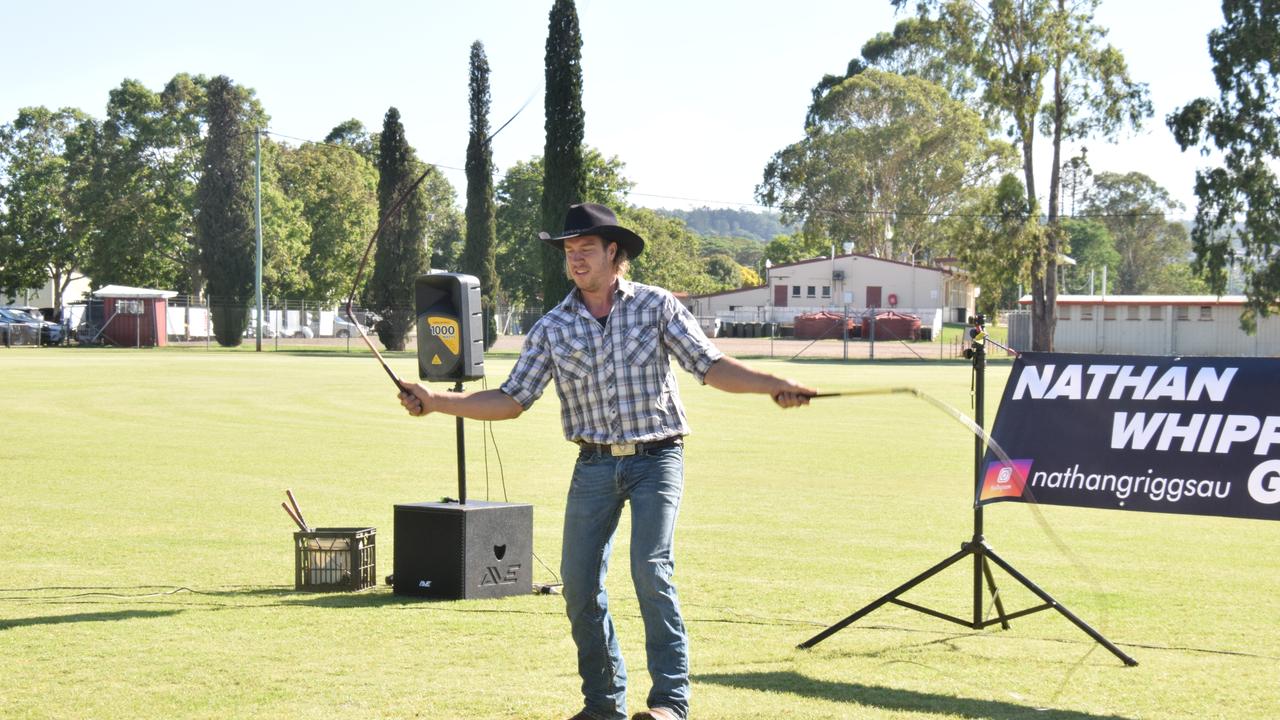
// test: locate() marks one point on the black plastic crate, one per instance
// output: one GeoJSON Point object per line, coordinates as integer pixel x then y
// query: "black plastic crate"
{"type": "Point", "coordinates": [328, 559]}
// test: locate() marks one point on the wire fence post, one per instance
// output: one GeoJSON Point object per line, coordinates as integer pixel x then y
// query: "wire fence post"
{"type": "Point", "coordinates": [844, 329]}
{"type": "Point", "coordinates": [873, 334]}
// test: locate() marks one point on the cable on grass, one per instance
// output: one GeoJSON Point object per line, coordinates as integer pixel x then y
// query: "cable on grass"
{"type": "Point", "coordinates": [502, 473]}
{"type": "Point", "coordinates": [122, 596]}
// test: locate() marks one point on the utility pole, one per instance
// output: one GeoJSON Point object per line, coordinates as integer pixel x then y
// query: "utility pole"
{"type": "Point", "coordinates": [257, 223]}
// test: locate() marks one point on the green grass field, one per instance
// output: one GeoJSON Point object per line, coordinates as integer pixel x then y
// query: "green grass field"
{"type": "Point", "coordinates": [146, 569]}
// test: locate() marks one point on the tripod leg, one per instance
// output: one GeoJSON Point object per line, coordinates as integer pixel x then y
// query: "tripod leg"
{"type": "Point", "coordinates": [1097, 636]}
{"type": "Point", "coordinates": [887, 597]}
{"type": "Point", "coordinates": [995, 594]}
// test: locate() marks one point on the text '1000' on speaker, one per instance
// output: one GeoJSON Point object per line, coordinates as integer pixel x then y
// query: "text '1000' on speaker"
{"type": "Point", "coordinates": [460, 552]}
{"type": "Point", "coordinates": [450, 327]}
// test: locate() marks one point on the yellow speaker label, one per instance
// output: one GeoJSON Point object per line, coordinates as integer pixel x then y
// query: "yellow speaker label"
{"type": "Point", "coordinates": [445, 330]}
{"type": "Point", "coordinates": [436, 360]}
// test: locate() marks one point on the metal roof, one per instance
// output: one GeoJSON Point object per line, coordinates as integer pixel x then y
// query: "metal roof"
{"type": "Point", "coordinates": [124, 291]}
{"type": "Point", "coordinates": [1144, 300]}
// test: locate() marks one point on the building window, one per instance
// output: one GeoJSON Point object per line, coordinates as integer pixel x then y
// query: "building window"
{"type": "Point", "coordinates": [826, 291]}
{"type": "Point", "coordinates": [1206, 312]}
{"type": "Point", "coordinates": [1086, 312]}
{"type": "Point", "coordinates": [1156, 312]}
{"type": "Point", "coordinates": [795, 291]}
{"type": "Point", "coordinates": [811, 291]}
{"type": "Point", "coordinates": [1135, 312]}
{"type": "Point", "coordinates": [1108, 312]}
{"type": "Point", "coordinates": [1067, 311]}
{"type": "Point", "coordinates": [1182, 312]}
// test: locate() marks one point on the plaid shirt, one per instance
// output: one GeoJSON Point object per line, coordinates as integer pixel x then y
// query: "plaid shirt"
{"type": "Point", "coordinates": [615, 382]}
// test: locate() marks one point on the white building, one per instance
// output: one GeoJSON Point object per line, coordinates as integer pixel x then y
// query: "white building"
{"type": "Point", "coordinates": [43, 297]}
{"type": "Point", "coordinates": [852, 282]}
{"type": "Point", "coordinates": [1153, 325]}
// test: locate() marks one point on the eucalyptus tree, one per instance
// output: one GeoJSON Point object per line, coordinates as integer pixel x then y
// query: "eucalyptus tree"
{"type": "Point", "coordinates": [1036, 68]}
{"type": "Point", "coordinates": [1094, 250]}
{"type": "Point", "coordinates": [884, 159]}
{"type": "Point", "coordinates": [1134, 209]}
{"type": "Point", "coordinates": [995, 243]}
{"type": "Point", "coordinates": [1237, 223]}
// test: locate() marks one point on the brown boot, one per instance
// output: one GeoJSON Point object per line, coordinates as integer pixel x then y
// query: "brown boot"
{"type": "Point", "coordinates": [656, 713]}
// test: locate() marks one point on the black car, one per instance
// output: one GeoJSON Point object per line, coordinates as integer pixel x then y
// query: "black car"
{"type": "Point", "coordinates": [49, 333]}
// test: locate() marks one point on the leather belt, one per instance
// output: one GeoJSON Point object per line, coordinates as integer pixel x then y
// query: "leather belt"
{"type": "Point", "coordinates": [625, 449]}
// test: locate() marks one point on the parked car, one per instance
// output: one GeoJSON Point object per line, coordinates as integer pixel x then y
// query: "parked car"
{"type": "Point", "coordinates": [12, 333]}
{"type": "Point", "coordinates": [297, 332]}
{"type": "Point", "coordinates": [344, 328]}
{"type": "Point", "coordinates": [267, 331]}
{"type": "Point", "coordinates": [50, 333]}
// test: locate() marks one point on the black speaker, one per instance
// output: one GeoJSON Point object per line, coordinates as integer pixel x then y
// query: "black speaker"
{"type": "Point", "coordinates": [450, 327]}
{"type": "Point", "coordinates": [460, 552]}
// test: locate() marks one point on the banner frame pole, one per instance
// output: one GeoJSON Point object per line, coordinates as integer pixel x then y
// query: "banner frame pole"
{"type": "Point", "coordinates": [977, 546]}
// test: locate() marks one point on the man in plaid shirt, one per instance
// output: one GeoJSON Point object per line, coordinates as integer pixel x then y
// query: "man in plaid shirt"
{"type": "Point", "coordinates": [608, 346]}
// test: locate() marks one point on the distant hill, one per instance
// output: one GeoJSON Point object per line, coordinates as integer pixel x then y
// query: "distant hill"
{"type": "Point", "coordinates": [724, 222]}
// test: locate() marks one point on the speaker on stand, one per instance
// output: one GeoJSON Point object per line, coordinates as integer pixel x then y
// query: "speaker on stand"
{"type": "Point", "coordinates": [458, 550]}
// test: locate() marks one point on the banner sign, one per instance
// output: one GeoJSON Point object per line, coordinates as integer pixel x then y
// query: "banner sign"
{"type": "Point", "coordinates": [1192, 435]}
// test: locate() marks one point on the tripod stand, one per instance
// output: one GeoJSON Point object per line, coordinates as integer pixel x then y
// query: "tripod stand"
{"type": "Point", "coordinates": [977, 547]}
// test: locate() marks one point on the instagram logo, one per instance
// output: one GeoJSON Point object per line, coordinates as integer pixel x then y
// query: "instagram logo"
{"type": "Point", "coordinates": [1005, 479]}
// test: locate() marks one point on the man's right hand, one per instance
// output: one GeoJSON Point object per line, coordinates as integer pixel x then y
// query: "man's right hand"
{"type": "Point", "coordinates": [416, 399]}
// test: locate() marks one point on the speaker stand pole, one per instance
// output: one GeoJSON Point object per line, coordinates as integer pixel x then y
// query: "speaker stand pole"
{"type": "Point", "coordinates": [976, 546]}
{"type": "Point", "coordinates": [462, 455]}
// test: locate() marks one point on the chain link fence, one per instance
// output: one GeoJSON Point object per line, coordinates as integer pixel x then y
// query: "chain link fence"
{"type": "Point", "coordinates": [290, 324]}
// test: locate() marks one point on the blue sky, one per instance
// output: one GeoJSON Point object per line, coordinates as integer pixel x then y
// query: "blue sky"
{"type": "Point", "coordinates": [693, 96]}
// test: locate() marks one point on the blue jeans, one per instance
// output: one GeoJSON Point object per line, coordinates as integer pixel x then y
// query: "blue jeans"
{"type": "Point", "coordinates": [652, 481]}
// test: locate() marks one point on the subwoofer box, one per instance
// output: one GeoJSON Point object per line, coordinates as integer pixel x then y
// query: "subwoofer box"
{"type": "Point", "coordinates": [459, 552]}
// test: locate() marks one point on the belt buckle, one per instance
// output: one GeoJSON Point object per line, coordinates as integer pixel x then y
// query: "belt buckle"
{"type": "Point", "coordinates": [622, 449]}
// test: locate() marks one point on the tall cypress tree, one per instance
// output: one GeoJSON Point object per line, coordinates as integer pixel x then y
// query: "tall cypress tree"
{"type": "Point", "coordinates": [402, 253]}
{"type": "Point", "coordinates": [224, 223]}
{"type": "Point", "coordinates": [479, 254]}
{"type": "Point", "coordinates": [563, 180]}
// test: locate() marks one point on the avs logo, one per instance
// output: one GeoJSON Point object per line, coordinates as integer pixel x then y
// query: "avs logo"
{"type": "Point", "coordinates": [494, 576]}
{"type": "Point", "coordinates": [1004, 480]}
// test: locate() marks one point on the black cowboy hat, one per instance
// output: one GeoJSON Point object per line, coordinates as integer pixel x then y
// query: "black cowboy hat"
{"type": "Point", "coordinates": [592, 219]}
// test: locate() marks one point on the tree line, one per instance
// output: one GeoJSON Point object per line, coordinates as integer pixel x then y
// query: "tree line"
{"type": "Point", "coordinates": [130, 199]}
{"type": "Point", "coordinates": [160, 192]}
{"type": "Point", "coordinates": [923, 149]}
